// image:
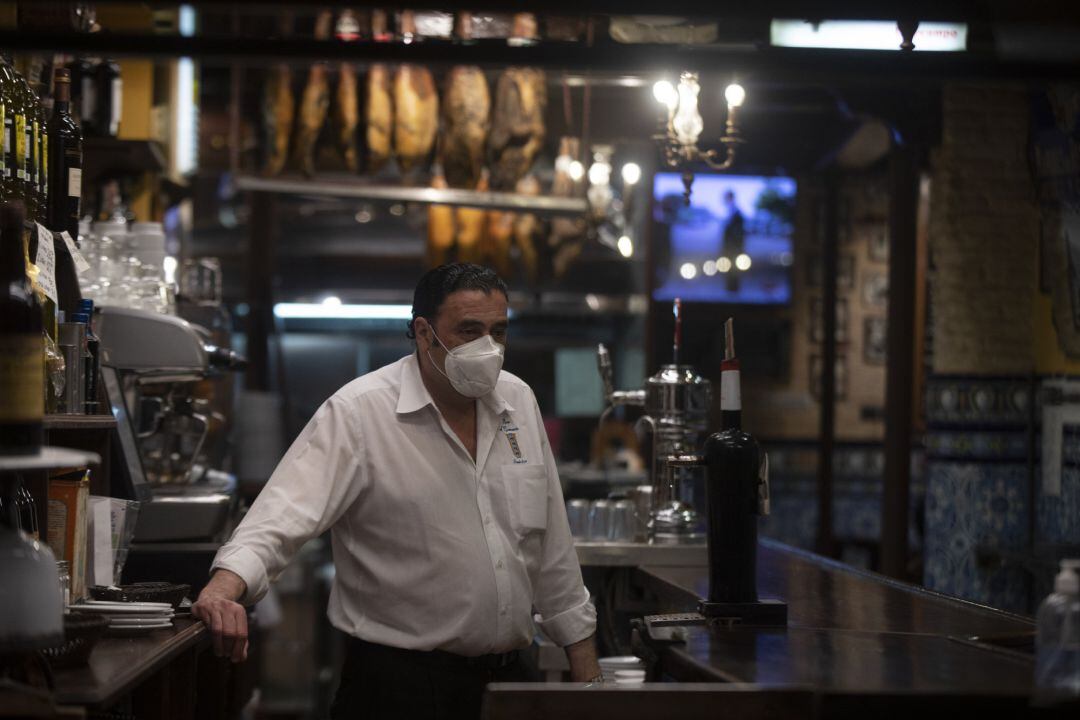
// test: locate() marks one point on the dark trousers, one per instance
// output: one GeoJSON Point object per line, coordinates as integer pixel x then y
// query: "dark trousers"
{"type": "Point", "coordinates": [380, 682]}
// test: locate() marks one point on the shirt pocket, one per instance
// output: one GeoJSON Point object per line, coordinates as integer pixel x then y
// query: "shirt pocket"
{"type": "Point", "coordinates": [527, 491]}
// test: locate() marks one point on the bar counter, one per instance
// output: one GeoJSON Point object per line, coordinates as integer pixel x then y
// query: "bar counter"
{"type": "Point", "coordinates": [856, 644]}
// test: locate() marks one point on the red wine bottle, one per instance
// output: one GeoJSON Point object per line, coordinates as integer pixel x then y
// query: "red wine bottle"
{"type": "Point", "coordinates": [22, 348]}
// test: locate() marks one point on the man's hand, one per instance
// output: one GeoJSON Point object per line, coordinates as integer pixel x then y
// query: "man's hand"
{"type": "Point", "coordinates": [217, 606]}
{"type": "Point", "coordinates": [582, 657]}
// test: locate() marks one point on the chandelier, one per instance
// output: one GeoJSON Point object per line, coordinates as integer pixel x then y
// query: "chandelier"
{"type": "Point", "coordinates": [679, 135]}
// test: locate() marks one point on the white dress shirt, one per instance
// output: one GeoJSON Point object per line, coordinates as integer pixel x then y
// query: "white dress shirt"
{"type": "Point", "coordinates": [431, 549]}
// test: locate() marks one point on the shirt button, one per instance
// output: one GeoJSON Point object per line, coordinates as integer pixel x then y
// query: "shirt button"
{"type": "Point", "coordinates": [487, 520]}
{"type": "Point", "coordinates": [499, 564]}
{"type": "Point", "coordinates": [503, 611]}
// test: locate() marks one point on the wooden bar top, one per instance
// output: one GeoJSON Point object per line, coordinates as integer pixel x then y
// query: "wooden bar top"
{"type": "Point", "coordinates": [848, 631]}
{"type": "Point", "coordinates": [118, 663]}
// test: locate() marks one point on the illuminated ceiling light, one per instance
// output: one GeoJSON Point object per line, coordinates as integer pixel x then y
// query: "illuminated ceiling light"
{"type": "Point", "coordinates": [631, 173]}
{"type": "Point", "coordinates": [866, 35]}
{"type": "Point", "coordinates": [709, 268]}
{"type": "Point", "coordinates": [743, 261]}
{"type": "Point", "coordinates": [397, 209]}
{"type": "Point", "coordinates": [680, 130]}
{"type": "Point", "coordinates": [576, 171]}
{"type": "Point", "coordinates": [723, 264]}
{"type": "Point", "coordinates": [665, 94]}
{"type": "Point", "coordinates": [593, 302]}
{"type": "Point", "coordinates": [735, 94]}
{"type": "Point", "coordinates": [322, 311]}
{"type": "Point", "coordinates": [600, 173]}
{"type": "Point", "coordinates": [688, 271]}
{"type": "Point", "coordinates": [626, 246]}
{"type": "Point", "coordinates": [331, 301]}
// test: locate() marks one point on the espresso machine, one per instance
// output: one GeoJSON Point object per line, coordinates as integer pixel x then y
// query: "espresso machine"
{"type": "Point", "coordinates": [676, 401]}
{"type": "Point", "coordinates": [161, 374]}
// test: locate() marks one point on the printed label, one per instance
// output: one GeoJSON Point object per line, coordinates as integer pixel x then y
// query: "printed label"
{"type": "Point", "coordinates": [117, 105]}
{"type": "Point", "coordinates": [35, 149]}
{"type": "Point", "coordinates": [20, 147]}
{"type": "Point", "coordinates": [75, 182]}
{"type": "Point", "coordinates": [46, 262]}
{"type": "Point", "coordinates": [4, 123]}
{"type": "Point", "coordinates": [45, 162]}
{"type": "Point", "coordinates": [88, 99]}
{"type": "Point", "coordinates": [9, 151]}
{"type": "Point", "coordinates": [81, 265]}
{"type": "Point", "coordinates": [22, 377]}
{"type": "Point", "coordinates": [729, 390]}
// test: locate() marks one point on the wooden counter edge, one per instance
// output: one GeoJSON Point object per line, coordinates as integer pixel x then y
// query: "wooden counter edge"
{"type": "Point", "coordinates": [191, 636]}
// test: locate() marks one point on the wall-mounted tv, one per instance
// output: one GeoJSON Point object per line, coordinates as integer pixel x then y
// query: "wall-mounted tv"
{"type": "Point", "coordinates": [733, 244]}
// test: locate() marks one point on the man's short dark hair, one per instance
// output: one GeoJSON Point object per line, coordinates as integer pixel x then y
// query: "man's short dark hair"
{"type": "Point", "coordinates": [438, 283]}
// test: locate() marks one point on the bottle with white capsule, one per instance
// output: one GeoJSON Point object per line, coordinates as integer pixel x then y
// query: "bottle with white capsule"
{"type": "Point", "coordinates": [1057, 639]}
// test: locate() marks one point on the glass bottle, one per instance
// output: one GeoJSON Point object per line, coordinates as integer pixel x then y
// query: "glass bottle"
{"type": "Point", "coordinates": [110, 98]}
{"type": "Point", "coordinates": [29, 176]}
{"type": "Point", "coordinates": [42, 164]}
{"type": "Point", "coordinates": [65, 175]}
{"type": "Point", "coordinates": [22, 374]}
{"type": "Point", "coordinates": [11, 183]}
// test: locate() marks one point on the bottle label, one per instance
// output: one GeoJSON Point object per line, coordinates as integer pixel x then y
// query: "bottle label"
{"type": "Point", "coordinates": [20, 147]}
{"type": "Point", "coordinates": [45, 163]}
{"type": "Point", "coordinates": [81, 265]}
{"type": "Point", "coordinates": [117, 105]}
{"type": "Point", "coordinates": [35, 153]}
{"type": "Point", "coordinates": [46, 262]}
{"type": "Point", "coordinates": [9, 149]}
{"type": "Point", "coordinates": [22, 377]}
{"type": "Point", "coordinates": [74, 182]}
{"type": "Point", "coordinates": [3, 140]}
{"type": "Point", "coordinates": [730, 398]}
{"type": "Point", "coordinates": [88, 99]}
{"type": "Point", "coordinates": [28, 144]}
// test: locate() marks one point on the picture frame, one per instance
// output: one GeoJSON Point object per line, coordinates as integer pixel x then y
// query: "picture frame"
{"type": "Point", "coordinates": [875, 290]}
{"type": "Point", "coordinates": [816, 368]}
{"type": "Point", "coordinates": [817, 322]}
{"type": "Point", "coordinates": [875, 340]}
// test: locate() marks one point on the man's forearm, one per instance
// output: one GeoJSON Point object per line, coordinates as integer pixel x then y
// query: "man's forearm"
{"type": "Point", "coordinates": [582, 658]}
{"type": "Point", "coordinates": [227, 584]}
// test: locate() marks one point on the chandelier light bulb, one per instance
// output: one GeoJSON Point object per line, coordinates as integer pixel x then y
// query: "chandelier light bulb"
{"type": "Point", "coordinates": [576, 171]}
{"type": "Point", "coordinates": [600, 173]}
{"type": "Point", "coordinates": [625, 246]}
{"type": "Point", "coordinates": [665, 94]}
{"type": "Point", "coordinates": [723, 264]}
{"type": "Point", "coordinates": [735, 95]}
{"type": "Point", "coordinates": [688, 271]}
{"type": "Point", "coordinates": [631, 173]}
{"type": "Point", "coordinates": [743, 261]}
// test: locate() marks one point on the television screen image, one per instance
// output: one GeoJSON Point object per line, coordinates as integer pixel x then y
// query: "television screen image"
{"type": "Point", "coordinates": [733, 244]}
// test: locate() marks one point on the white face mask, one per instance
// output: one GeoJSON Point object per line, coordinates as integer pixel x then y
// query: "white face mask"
{"type": "Point", "coordinates": [472, 368]}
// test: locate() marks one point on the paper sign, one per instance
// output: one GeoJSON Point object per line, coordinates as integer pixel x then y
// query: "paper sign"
{"type": "Point", "coordinates": [46, 262]}
{"type": "Point", "coordinates": [81, 265]}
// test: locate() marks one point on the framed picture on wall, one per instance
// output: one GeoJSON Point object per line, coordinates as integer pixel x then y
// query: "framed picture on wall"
{"type": "Point", "coordinates": [877, 241]}
{"type": "Point", "coordinates": [875, 334]}
{"type": "Point", "coordinates": [875, 291]}
{"type": "Point", "coordinates": [816, 366]}
{"type": "Point", "coordinates": [845, 271]}
{"type": "Point", "coordinates": [817, 322]}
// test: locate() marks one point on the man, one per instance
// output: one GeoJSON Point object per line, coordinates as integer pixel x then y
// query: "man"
{"type": "Point", "coordinates": [734, 242]}
{"type": "Point", "coordinates": [448, 526]}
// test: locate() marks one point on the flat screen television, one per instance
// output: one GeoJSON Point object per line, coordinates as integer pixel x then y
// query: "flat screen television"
{"type": "Point", "coordinates": [733, 244]}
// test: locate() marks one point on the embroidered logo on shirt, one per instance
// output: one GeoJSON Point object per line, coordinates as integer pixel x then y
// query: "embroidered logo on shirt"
{"type": "Point", "coordinates": [511, 430]}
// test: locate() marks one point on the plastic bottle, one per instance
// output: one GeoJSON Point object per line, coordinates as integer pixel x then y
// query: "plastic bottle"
{"type": "Point", "coordinates": [1057, 640]}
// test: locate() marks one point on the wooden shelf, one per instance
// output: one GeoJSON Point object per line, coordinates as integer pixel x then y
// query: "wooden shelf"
{"type": "Point", "coordinates": [332, 186]}
{"type": "Point", "coordinates": [80, 422]}
{"type": "Point", "coordinates": [48, 458]}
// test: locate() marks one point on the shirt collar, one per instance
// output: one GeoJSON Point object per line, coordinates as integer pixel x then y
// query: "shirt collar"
{"type": "Point", "coordinates": [414, 395]}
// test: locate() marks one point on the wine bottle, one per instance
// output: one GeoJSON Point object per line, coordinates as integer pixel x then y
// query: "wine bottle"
{"type": "Point", "coordinates": [110, 93]}
{"type": "Point", "coordinates": [12, 183]}
{"type": "Point", "coordinates": [22, 372]}
{"type": "Point", "coordinates": [734, 461]}
{"type": "Point", "coordinates": [42, 164]}
{"type": "Point", "coordinates": [29, 178]}
{"type": "Point", "coordinates": [84, 94]}
{"type": "Point", "coordinates": [65, 175]}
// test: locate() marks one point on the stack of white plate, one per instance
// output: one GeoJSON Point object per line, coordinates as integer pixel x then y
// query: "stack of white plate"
{"type": "Point", "coordinates": [129, 616]}
{"type": "Point", "coordinates": [610, 665]}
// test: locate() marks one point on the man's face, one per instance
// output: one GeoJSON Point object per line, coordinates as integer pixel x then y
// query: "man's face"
{"type": "Point", "coordinates": [465, 315]}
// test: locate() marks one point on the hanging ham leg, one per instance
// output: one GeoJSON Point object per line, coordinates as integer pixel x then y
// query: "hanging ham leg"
{"type": "Point", "coordinates": [314, 103]}
{"type": "Point", "coordinates": [416, 115]}
{"type": "Point", "coordinates": [380, 117]}
{"type": "Point", "coordinates": [466, 109]}
{"type": "Point", "coordinates": [517, 127]}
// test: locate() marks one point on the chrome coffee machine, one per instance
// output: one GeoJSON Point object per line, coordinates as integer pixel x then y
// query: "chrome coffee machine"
{"type": "Point", "coordinates": [155, 369]}
{"type": "Point", "coordinates": [676, 401]}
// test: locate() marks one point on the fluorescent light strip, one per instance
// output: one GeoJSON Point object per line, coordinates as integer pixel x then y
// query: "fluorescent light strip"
{"type": "Point", "coordinates": [321, 311]}
{"type": "Point", "coordinates": [866, 35]}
